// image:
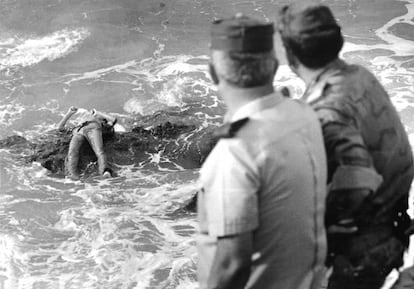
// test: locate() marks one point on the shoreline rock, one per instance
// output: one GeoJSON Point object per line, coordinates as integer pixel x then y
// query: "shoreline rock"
{"type": "Point", "coordinates": [181, 144]}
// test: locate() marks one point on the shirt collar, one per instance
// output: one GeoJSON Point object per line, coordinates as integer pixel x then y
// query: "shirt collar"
{"type": "Point", "coordinates": [315, 88]}
{"type": "Point", "coordinates": [255, 106]}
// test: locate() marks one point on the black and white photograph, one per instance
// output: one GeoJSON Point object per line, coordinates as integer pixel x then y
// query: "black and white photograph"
{"type": "Point", "coordinates": [206, 144]}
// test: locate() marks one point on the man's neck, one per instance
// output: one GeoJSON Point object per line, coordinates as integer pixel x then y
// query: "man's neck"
{"type": "Point", "coordinates": [236, 97]}
{"type": "Point", "coordinates": [309, 75]}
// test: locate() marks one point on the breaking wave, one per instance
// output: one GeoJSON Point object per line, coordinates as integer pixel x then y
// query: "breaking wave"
{"type": "Point", "coordinates": [27, 51]}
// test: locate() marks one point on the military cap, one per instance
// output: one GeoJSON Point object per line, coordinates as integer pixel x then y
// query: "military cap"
{"type": "Point", "coordinates": [306, 19]}
{"type": "Point", "coordinates": [241, 34]}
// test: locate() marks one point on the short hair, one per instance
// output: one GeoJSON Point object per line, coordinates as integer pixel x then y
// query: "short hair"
{"type": "Point", "coordinates": [313, 47]}
{"type": "Point", "coordinates": [243, 69]}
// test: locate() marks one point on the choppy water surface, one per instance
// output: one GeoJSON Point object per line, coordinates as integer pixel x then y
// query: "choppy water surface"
{"type": "Point", "coordinates": [134, 58]}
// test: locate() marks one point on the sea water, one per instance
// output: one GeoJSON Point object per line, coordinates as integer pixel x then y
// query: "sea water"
{"type": "Point", "coordinates": [134, 58]}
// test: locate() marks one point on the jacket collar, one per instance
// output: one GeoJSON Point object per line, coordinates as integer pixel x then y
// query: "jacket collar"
{"type": "Point", "coordinates": [316, 87]}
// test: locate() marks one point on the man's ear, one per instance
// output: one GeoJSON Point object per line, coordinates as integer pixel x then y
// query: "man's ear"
{"type": "Point", "coordinates": [213, 74]}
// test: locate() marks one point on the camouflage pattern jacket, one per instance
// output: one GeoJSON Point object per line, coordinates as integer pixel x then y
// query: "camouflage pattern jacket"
{"type": "Point", "coordinates": [367, 147]}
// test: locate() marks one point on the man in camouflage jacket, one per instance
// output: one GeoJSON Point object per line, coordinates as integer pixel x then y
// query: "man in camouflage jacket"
{"type": "Point", "coordinates": [370, 164]}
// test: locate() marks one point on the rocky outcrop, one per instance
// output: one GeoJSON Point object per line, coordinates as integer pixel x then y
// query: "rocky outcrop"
{"type": "Point", "coordinates": [163, 137]}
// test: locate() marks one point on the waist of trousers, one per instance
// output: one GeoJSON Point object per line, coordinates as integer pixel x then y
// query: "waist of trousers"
{"type": "Point", "coordinates": [87, 126]}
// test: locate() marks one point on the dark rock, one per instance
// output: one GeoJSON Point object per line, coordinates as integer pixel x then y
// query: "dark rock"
{"type": "Point", "coordinates": [191, 205]}
{"type": "Point", "coordinates": [14, 140]}
{"type": "Point", "coordinates": [181, 144]}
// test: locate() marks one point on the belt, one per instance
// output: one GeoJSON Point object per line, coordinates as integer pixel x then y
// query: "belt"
{"type": "Point", "coordinates": [85, 123]}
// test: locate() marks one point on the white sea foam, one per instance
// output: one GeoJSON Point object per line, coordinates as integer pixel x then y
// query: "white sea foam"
{"type": "Point", "coordinates": [10, 113]}
{"type": "Point", "coordinates": [29, 50]}
{"type": "Point", "coordinates": [159, 82]}
{"type": "Point", "coordinates": [400, 46]}
{"type": "Point", "coordinates": [122, 248]}
{"type": "Point", "coordinates": [397, 79]}
{"type": "Point", "coordinates": [285, 77]}
{"type": "Point", "coordinates": [10, 259]}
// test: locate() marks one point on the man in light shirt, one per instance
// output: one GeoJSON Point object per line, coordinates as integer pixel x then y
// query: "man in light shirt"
{"type": "Point", "coordinates": [261, 205]}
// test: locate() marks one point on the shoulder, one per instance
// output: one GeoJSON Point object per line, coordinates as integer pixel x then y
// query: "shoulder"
{"type": "Point", "coordinates": [351, 79]}
{"type": "Point", "coordinates": [341, 92]}
{"type": "Point", "coordinates": [232, 140]}
{"type": "Point", "coordinates": [298, 105]}
{"type": "Point", "coordinates": [229, 155]}
{"type": "Point", "coordinates": [342, 78]}
{"type": "Point", "coordinates": [230, 130]}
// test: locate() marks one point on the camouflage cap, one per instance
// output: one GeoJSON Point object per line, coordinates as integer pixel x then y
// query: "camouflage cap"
{"type": "Point", "coordinates": [241, 34]}
{"type": "Point", "coordinates": [306, 19]}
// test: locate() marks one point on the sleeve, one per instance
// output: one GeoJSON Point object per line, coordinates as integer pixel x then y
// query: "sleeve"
{"type": "Point", "coordinates": [230, 181]}
{"type": "Point", "coordinates": [351, 174]}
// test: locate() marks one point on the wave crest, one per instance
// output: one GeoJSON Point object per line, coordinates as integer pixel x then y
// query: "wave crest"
{"type": "Point", "coordinates": [28, 51]}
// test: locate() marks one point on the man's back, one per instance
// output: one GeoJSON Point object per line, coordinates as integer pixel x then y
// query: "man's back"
{"type": "Point", "coordinates": [370, 165]}
{"type": "Point", "coordinates": [364, 137]}
{"type": "Point", "coordinates": [282, 147]}
{"type": "Point", "coordinates": [361, 100]}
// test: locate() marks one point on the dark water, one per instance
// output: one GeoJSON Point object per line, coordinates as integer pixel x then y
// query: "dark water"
{"type": "Point", "coordinates": [134, 58]}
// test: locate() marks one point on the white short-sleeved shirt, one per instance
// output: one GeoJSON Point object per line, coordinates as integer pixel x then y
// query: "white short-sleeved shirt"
{"type": "Point", "coordinates": [269, 179]}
